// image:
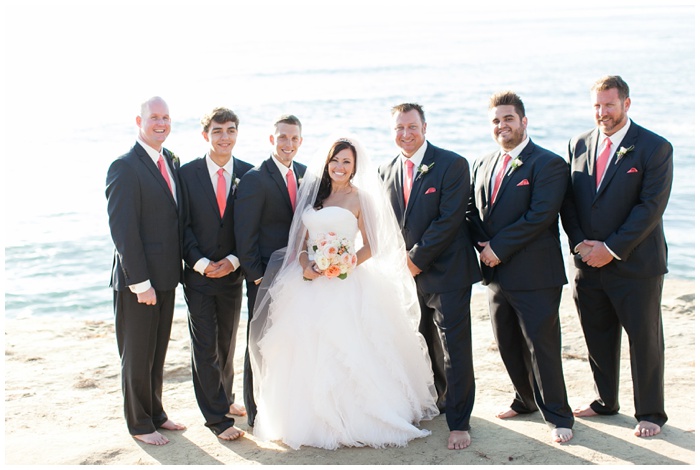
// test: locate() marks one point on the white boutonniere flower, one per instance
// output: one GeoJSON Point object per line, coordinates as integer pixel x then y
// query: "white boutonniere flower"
{"type": "Point", "coordinates": [175, 159]}
{"type": "Point", "coordinates": [622, 152]}
{"type": "Point", "coordinates": [514, 165]}
{"type": "Point", "coordinates": [423, 169]}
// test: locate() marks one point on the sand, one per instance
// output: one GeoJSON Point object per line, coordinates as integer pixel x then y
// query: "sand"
{"type": "Point", "coordinates": [63, 403]}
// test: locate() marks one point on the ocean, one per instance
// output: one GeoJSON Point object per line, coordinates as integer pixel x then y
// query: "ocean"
{"type": "Point", "coordinates": [74, 91]}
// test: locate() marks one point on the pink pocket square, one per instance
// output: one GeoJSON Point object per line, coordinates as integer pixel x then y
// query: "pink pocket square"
{"type": "Point", "coordinates": [430, 191]}
{"type": "Point", "coordinates": [633, 170]}
{"type": "Point", "coordinates": [524, 182]}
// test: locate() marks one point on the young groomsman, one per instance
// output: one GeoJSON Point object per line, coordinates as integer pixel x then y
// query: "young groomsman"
{"type": "Point", "coordinates": [213, 280]}
{"type": "Point", "coordinates": [265, 203]}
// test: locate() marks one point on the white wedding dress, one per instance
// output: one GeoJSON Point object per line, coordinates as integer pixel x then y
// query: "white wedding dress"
{"type": "Point", "coordinates": [341, 363]}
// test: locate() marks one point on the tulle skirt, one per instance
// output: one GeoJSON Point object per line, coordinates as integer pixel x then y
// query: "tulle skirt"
{"type": "Point", "coordinates": [341, 365]}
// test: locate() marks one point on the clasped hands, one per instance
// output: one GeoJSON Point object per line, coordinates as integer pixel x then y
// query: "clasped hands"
{"type": "Point", "coordinates": [594, 253]}
{"type": "Point", "coordinates": [217, 269]}
{"type": "Point", "coordinates": [487, 256]}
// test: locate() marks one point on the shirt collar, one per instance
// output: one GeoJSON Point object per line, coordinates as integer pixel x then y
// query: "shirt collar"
{"type": "Point", "coordinates": [153, 153]}
{"type": "Point", "coordinates": [283, 169]}
{"type": "Point", "coordinates": [212, 167]}
{"type": "Point", "coordinates": [416, 158]}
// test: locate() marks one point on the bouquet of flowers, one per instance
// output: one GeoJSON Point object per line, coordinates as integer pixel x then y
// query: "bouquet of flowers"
{"type": "Point", "coordinates": [334, 255]}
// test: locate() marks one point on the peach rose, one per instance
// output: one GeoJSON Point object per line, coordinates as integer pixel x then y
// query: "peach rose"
{"type": "Point", "coordinates": [332, 271]}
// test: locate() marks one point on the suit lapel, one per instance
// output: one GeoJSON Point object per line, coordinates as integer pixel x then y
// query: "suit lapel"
{"type": "Point", "coordinates": [591, 152]}
{"type": "Point", "coordinates": [204, 180]}
{"type": "Point", "coordinates": [153, 169]}
{"type": "Point", "coordinates": [488, 180]}
{"type": "Point", "coordinates": [396, 189]}
{"type": "Point", "coordinates": [629, 140]}
{"type": "Point", "coordinates": [428, 159]}
{"type": "Point", "coordinates": [279, 182]}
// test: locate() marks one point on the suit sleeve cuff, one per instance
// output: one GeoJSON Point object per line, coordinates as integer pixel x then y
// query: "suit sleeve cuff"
{"type": "Point", "coordinates": [612, 252]}
{"type": "Point", "coordinates": [141, 287]}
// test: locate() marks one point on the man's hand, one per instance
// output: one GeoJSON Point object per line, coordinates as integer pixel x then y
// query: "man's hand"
{"type": "Point", "coordinates": [487, 256]}
{"type": "Point", "coordinates": [148, 297]}
{"type": "Point", "coordinates": [597, 256]}
{"type": "Point", "coordinates": [219, 268]}
{"type": "Point", "coordinates": [415, 270]}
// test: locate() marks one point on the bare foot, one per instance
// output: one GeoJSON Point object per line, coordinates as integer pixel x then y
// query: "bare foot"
{"type": "Point", "coordinates": [507, 413]}
{"type": "Point", "coordinates": [459, 440]}
{"type": "Point", "coordinates": [237, 410]}
{"type": "Point", "coordinates": [155, 438]}
{"type": "Point", "coordinates": [584, 411]}
{"type": "Point", "coordinates": [646, 429]}
{"type": "Point", "coordinates": [173, 426]}
{"type": "Point", "coordinates": [231, 434]}
{"type": "Point", "coordinates": [562, 435]}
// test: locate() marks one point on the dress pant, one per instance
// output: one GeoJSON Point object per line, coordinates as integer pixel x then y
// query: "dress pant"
{"type": "Point", "coordinates": [143, 333]}
{"type": "Point", "coordinates": [213, 323]}
{"type": "Point", "coordinates": [606, 304]}
{"type": "Point", "coordinates": [446, 326]}
{"type": "Point", "coordinates": [528, 333]}
{"type": "Point", "coordinates": [248, 390]}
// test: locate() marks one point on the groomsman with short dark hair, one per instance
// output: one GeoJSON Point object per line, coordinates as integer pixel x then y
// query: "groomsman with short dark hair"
{"type": "Point", "coordinates": [213, 281]}
{"type": "Point", "coordinates": [513, 213]}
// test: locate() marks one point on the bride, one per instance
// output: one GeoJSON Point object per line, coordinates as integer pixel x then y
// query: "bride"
{"type": "Point", "coordinates": [334, 344]}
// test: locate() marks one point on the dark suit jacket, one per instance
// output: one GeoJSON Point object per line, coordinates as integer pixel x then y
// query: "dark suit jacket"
{"type": "Point", "coordinates": [145, 221]}
{"type": "Point", "coordinates": [626, 212]}
{"type": "Point", "coordinates": [263, 216]}
{"type": "Point", "coordinates": [207, 234]}
{"type": "Point", "coordinates": [522, 225]}
{"type": "Point", "coordinates": [433, 224]}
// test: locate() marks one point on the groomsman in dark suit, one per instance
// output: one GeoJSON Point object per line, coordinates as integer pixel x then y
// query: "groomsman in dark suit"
{"type": "Point", "coordinates": [143, 194]}
{"type": "Point", "coordinates": [213, 282]}
{"type": "Point", "coordinates": [429, 189]}
{"type": "Point", "coordinates": [513, 214]}
{"type": "Point", "coordinates": [620, 181]}
{"type": "Point", "coordinates": [264, 206]}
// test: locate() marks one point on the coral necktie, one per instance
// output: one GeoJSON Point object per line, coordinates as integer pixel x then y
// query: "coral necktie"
{"type": "Point", "coordinates": [292, 188]}
{"type": "Point", "coordinates": [602, 162]}
{"type": "Point", "coordinates": [164, 171]}
{"type": "Point", "coordinates": [221, 191]}
{"type": "Point", "coordinates": [407, 181]}
{"type": "Point", "coordinates": [499, 177]}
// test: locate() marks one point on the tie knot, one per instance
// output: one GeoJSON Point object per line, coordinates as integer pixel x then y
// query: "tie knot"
{"type": "Point", "coordinates": [220, 172]}
{"type": "Point", "coordinates": [409, 163]}
{"type": "Point", "coordinates": [506, 158]}
{"type": "Point", "coordinates": [607, 142]}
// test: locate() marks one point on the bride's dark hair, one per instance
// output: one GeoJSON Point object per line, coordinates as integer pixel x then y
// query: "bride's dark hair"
{"type": "Point", "coordinates": [324, 189]}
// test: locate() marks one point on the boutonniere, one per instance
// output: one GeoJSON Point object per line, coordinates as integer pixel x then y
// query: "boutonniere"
{"type": "Point", "coordinates": [515, 164]}
{"type": "Point", "coordinates": [175, 159]}
{"type": "Point", "coordinates": [234, 182]}
{"type": "Point", "coordinates": [423, 169]}
{"type": "Point", "coordinates": [299, 181]}
{"type": "Point", "coordinates": [622, 152]}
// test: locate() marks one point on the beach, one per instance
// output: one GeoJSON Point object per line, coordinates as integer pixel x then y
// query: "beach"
{"type": "Point", "coordinates": [63, 403]}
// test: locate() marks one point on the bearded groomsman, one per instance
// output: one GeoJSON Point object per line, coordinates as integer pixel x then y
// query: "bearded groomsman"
{"type": "Point", "coordinates": [513, 214]}
{"type": "Point", "coordinates": [143, 200]}
{"type": "Point", "coordinates": [428, 188]}
{"type": "Point", "coordinates": [213, 280]}
{"type": "Point", "coordinates": [620, 183]}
